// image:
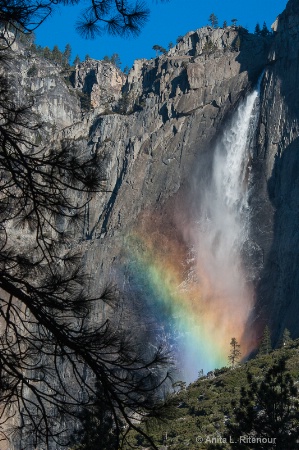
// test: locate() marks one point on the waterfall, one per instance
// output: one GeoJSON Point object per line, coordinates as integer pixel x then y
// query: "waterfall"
{"type": "Point", "coordinates": [194, 282]}
{"type": "Point", "coordinates": [224, 211]}
{"type": "Point", "coordinates": [224, 297]}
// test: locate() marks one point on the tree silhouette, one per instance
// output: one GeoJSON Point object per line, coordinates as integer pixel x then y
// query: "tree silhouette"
{"type": "Point", "coordinates": [67, 55]}
{"type": "Point", "coordinates": [76, 60]}
{"type": "Point", "coordinates": [265, 345]}
{"type": "Point", "coordinates": [213, 20]}
{"type": "Point", "coordinates": [98, 16]}
{"type": "Point", "coordinates": [257, 29]}
{"type": "Point", "coordinates": [285, 338]}
{"type": "Point", "coordinates": [54, 359]}
{"type": "Point", "coordinates": [57, 55]}
{"type": "Point", "coordinates": [158, 49]}
{"type": "Point", "coordinates": [96, 429]}
{"type": "Point", "coordinates": [267, 410]}
{"type": "Point", "coordinates": [265, 31]}
{"type": "Point", "coordinates": [113, 59]}
{"type": "Point", "coordinates": [235, 353]}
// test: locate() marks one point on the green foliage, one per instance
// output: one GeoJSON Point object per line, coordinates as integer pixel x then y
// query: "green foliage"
{"type": "Point", "coordinates": [46, 53]}
{"type": "Point", "coordinates": [265, 345]}
{"type": "Point", "coordinates": [221, 371]}
{"type": "Point", "coordinates": [97, 430]}
{"type": "Point", "coordinates": [209, 47]}
{"type": "Point", "coordinates": [265, 31]}
{"type": "Point", "coordinates": [76, 60]}
{"type": "Point", "coordinates": [206, 407]}
{"type": "Point", "coordinates": [235, 353]}
{"type": "Point", "coordinates": [32, 71]}
{"type": "Point", "coordinates": [123, 103]}
{"type": "Point", "coordinates": [234, 22]}
{"type": "Point", "coordinates": [85, 100]}
{"type": "Point", "coordinates": [66, 56]}
{"type": "Point", "coordinates": [224, 24]}
{"type": "Point", "coordinates": [158, 49]}
{"type": "Point", "coordinates": [237, 44]}
{"type": "Point", "coordinates": [179, 39]}
{"type": "Point", "coordinates": [213, 20]}
{"type": "Point", "coordinates": [113, 59]}
{"type": "Point", "coordinates": [55, 55]}
{"type": "Point", "coordinates": [127, 104]}
{"type": "Point", "coordinates": [285, 338]}
{"type": "Point", "coordinates": [257, 29]}
{"type": "Point", "coordinates": [267, 409]}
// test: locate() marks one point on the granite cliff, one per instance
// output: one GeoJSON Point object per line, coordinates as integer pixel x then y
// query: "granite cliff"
{"type": "Point", "coordinates": [155, 129]}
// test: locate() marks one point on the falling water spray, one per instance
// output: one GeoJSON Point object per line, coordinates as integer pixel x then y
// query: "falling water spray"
{"type": "Point", "coordinates": [196, 287]}
{"type": "Point", "coordinates": [222, 231]}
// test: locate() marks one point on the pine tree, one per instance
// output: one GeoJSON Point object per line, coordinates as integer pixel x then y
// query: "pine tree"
{"type": "Point", "coordinates": [57, 56]}
{"type": "Point", "coordinates": [265, 30]}
{"type": "Point", "coordinates": [213, 20]}
{"type": "Point", "coordinates": [268, 409]}
{"type": "Point", "coordinates": [234, 22]}
{"type": "Point", "coordinates": [265, 346]}
{"type": "Point", "coordinates": [257, 29]}
{"type": "Point", "coordinates": [158, 49]}
{"type": "Point", "coordinates": [76, 60]}
{"type": "Point", "coordinates": [96, 429]}
{"type": "Point", "coordinates": [235, 353]}
{"type": "Point", "coordinates": [47, 53]}
{"type": "Point", "coordinates": [107, 16]}
{"type": "Point", "coordinates": [46, 304]}
{"type": "Point", "coordinates": [224, 24]}
{"type": "Point", "coordinates": [285, 338]}
{"type": "Point", "coordinates": [67, 55]}
{"type": "Point", "coordinates": [115, 60]}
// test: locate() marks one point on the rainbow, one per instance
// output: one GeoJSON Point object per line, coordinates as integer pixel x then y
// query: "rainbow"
{"type": "Point", "coordinates": [199, 319]}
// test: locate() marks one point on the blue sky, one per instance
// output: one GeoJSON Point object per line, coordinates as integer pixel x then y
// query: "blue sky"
{"type": "Point", "coordinates": [167, 21]}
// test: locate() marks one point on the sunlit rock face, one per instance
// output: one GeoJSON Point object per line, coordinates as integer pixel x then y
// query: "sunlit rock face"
{"type": "Point", "coordinates": [197, 261]}
{"type": "Point", "coordinates": [157, 131]}
{"type": "Point", "coordinates": [44, 83]}
{"type": "Point", "coordinates": [100, 80]}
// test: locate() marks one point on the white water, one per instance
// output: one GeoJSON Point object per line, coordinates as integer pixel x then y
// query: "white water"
{"type": "Point", "coordinates": [224, 210]}
{"type": "Point", "coordinates": [220, 236]}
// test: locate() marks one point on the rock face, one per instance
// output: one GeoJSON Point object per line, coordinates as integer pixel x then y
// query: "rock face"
{"type": "Point", "coordinates": [101, 81]}
{"type": "Point", "coordinates": [174, 107]}
{"type": "Point", "coordinates": [153, 127]}
{"type": "Point", "coordinates": [276, 181]}
{"type": "Point", "coordinates": [44, 82]}
{"type": "Point", "coordinates": [156, 126]}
